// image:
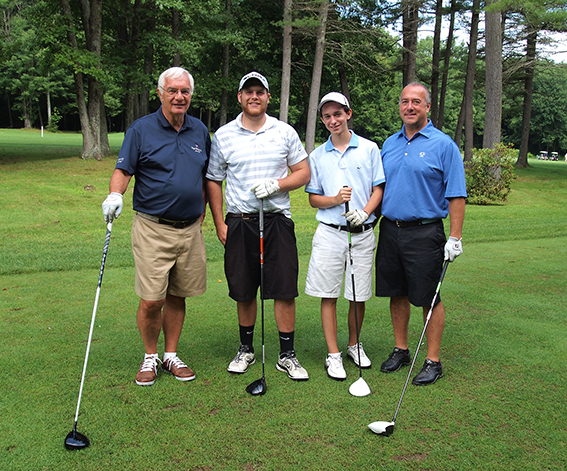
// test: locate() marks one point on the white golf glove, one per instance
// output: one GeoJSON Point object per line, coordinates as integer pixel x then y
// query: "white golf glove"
{"type": "Point", "coordinates": [356, 217]}
{"type": "Point", "coordinates": [265, 188]}
{"type": "Point", "coordinates": [112, 206]}
{"type": "Point", "coordinates": [453, 248]}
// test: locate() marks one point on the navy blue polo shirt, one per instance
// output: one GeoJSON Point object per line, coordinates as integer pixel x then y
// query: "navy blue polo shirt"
{"type": "Point", "coordinates": [168, 165]}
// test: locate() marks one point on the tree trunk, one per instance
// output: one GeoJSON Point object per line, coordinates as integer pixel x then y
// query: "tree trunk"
{"type": "Point", "coordinates": [493, 107]}
{"type": "Point", "coordinates": [225, 66]}
{"type": "Point", "coordinates": [92, 120]}
{"type": "Point", "coordinates": [434, 113]}
{"type": "Point", "coordinates": [316, 78]}
{"type": "Point", "coordinates": [409, 31]}
{"type": "Point", "coordinates": [175, 34]}
{"type": "Point", "coordinates": [466, 114]}
{"type": "Point", "coordinates": [446, 63]}
{"type": "Point", "coordinates": [469, 82]}
{"type": "Point", "coordinates": [528, 89]}
{"type": "Point", "coordinates": [286, 61]}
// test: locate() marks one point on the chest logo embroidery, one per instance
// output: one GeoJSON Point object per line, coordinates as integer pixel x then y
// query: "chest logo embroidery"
{"type": "Point", "coordinates": [197, 149]}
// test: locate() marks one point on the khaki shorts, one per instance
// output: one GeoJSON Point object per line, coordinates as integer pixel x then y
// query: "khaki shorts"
{"type": "Point", "coordinates": [168, 260]}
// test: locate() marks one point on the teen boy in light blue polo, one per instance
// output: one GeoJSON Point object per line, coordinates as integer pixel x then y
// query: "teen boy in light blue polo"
{"type": "Point", "coordinates": [347, 168]}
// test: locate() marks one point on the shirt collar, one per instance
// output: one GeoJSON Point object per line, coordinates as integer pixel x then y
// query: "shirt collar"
{"type": "Point", "coordinates": [270, 122]}
{"type": "Point", "coordinates": [354, 141]}
{"type": "Point", "coordinates": [165, 123]}
{"type": "Point", "coordinates": [426, 131]}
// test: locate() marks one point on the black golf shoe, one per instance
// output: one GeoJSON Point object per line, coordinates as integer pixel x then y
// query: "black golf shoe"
{"type": "Point", "coordinates": [431, 372]}
{"type": "Point", "coordinates": [396, 360]}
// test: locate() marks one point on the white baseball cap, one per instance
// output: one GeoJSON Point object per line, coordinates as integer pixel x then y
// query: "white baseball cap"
{"type": "Point", "coordinates": [253, 75]}
{"type": "Point", "coordinates": [335, 97]}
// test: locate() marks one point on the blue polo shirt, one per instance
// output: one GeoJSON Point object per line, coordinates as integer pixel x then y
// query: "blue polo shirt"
{"type": "Point", "coordinates": [359, 167]}
{"type": "Point", "coordinates": [421, 174]}
{"type": "Point", "coordinates": [168, 165]}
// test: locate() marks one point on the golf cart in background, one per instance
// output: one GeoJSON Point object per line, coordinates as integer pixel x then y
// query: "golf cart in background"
{"type": "Point", "coordinates": [554, 156]}
{"type": "Point", "coordinates": [542, 155]}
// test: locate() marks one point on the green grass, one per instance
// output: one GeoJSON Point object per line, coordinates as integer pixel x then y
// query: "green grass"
{"type": "Point", "coordinates": [501, 404]}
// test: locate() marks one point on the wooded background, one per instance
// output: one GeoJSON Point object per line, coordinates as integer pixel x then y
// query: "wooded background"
{"type": "Point", "coordinates": [92, 65]}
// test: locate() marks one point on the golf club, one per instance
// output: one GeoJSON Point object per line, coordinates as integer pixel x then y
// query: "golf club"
{"type": "Point", "coordinates": [359, 388]}
{"type": "Point", "coordinates": [259, 387]}
{"type": "Point", "coordinates": [387, 428]}
{"type": "Point", "coordinates": [76, 440]}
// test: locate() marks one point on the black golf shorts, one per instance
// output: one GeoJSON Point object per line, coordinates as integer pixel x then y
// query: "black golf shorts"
{"type": "Point", "coordinates": [409, 261]}
{"type": "Point", "coordinates": [242, 257]}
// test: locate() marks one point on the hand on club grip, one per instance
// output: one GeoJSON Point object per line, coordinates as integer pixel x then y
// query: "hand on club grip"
{"type": "Point", "coordinates": [356, 217]}
{"type": "Point", "coordinates": [265, 188]}
{"type": "Point", "coordinates": [112, 206]}
{"type": "Point", "coordinates": [453, 248]}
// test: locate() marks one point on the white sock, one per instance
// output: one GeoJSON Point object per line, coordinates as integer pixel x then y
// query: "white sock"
{"type": "Point", "coordinates": [335, 355]}
{"type": "Point", "coordinates": [150, 355]}
{"type": "Point", "coordinates": [168, 355]}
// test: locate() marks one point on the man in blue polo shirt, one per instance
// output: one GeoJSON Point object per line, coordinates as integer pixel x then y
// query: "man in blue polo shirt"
{"type": "Point", "coordinates": [347, 168]}
{"type": "Point", "coordinates": [167, 151]}
{"type": "Point", "coordinates": [425, 182]}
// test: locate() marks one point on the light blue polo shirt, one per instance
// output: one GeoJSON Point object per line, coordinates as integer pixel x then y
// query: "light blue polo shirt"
{"type": "Point", "coordinates": [359, 167]}
{"type": "Point", "coordinates": [421, 174]}
{"type": "Point", "coordinates": [168, 165]}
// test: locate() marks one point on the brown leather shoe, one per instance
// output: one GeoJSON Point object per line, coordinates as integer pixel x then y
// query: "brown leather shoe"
{"type": "Point", "coordinates": [147, 373]}
{"type": "Point", "coordinates": [178, 369]}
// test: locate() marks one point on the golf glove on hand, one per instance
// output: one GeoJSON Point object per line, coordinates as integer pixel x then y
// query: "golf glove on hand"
{"type": "Point", "coordinates": [356, 217]}
{"type": "Point", "coordinates": [265, 188]}
{"type": "Point", "coordinates": [453, 248]}
{"type": "Point", "coordinates": [112, 206]}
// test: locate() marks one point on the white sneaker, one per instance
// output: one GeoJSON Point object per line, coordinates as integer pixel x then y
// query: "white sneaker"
{"type": "Point", "coordinates": [243, 359]}
{"type": "Point", "coordinates": [334, 366]}
{"type": "Point", "coordinates": [352, 351]}
{"type": "Point", "coordinates": [289, 364]}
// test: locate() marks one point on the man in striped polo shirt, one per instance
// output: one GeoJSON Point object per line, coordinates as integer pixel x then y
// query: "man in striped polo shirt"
{"type": "Point", "coordinates": [261, 159]}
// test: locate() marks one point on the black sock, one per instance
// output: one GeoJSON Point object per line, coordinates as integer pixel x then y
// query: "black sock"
{"type": "Point", "coordinates": [286, 341]}
{"type": "Point", "coordinates": [247, 336]}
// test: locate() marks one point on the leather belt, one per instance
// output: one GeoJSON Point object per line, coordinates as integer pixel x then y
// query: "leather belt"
{"type": "Point", "coordinates": [353, 230]}
{"type": "Point", "coordinates": [418, 222]}
{"type": "Point", "coordinates": [168, 222]}
{"type": "Point", "coordinates": [248, 215]}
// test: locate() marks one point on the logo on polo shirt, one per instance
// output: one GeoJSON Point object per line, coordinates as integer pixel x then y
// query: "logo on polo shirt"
{"type": "Point", "coordinates": [422, 154]}
{"type": "Point", "coordinates": [197, 149]}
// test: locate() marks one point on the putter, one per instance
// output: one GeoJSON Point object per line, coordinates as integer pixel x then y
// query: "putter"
{"type": "Point", "coordinates": [359, 388]}
{"type": "Point", "coordinates": [76, 440]}
{"type": "Point", "coordinates": [387, 428]}
{"type": "Point", "coordinates": [259, 387]}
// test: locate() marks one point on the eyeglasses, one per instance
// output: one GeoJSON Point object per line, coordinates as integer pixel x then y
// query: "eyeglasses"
{"type": "Point", "coordinates": [174, 91]}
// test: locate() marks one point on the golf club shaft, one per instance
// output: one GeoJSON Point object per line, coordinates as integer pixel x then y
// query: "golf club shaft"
{"type": "Point", "coordinates": [445, 265]}
{"type": "Point", "coordinates": [353, 290]}
{"type": "Point", "coordinates": [261, 226]}
{"type": "Point", "coordinates": [104, 252]}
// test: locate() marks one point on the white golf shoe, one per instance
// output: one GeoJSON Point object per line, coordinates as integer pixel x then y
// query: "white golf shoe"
{"type": "Point", "coordinates": [243, 359]}
{"type": "Point", "coordinates": [334, 366]}
{"type": "Point", "coordinates": [288, 363]}
{"type": "Point", "coordinates": [352, 351]}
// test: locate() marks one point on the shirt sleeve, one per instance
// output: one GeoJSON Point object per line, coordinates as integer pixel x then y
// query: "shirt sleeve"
{"type": "Point", "coordinates": [216, 170]}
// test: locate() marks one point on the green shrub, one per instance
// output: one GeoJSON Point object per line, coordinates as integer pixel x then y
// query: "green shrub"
{"type": "Point", "coordinates": [53, 125]}
{"type": "Point", "coordinates": [490, 173]}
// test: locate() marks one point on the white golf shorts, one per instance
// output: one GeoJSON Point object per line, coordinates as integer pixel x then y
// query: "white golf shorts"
{"type": "Point", "coordinates": [330, 264]}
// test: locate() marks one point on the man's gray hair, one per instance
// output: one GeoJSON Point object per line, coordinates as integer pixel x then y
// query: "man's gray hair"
{"type": "Point", "coordinates": [175, 73]}
{"type": "Point", "coordinates": [427, 92]}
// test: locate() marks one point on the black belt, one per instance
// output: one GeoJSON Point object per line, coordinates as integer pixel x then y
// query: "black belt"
{"type": "Point", "coordinates": [249, 215]}
{"type": "Point", "coordinates": [353, 230]}
{"type": "Point", "coordinates": [169, 222]}
{"type": "Point", "coordinates": [418, 222]}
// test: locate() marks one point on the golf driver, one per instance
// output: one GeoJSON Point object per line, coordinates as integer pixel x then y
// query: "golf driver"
{"type": "Point", "coordinates": [76, 440]}
{"type": "Point", "coordinates": [258, 387]}
{"type": "Point", "coordinates": [359, 388]}
{"type": "Point", "coordinates": [387, 428]}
